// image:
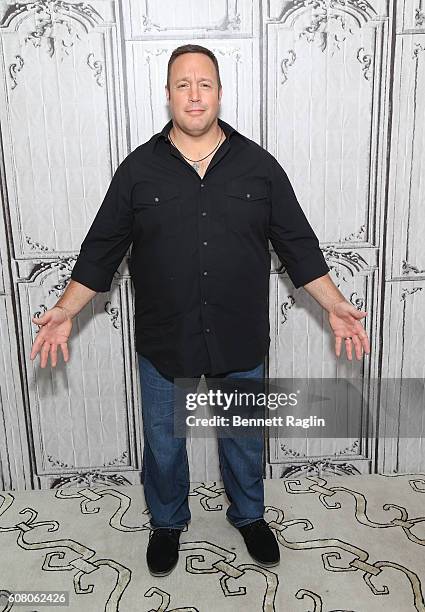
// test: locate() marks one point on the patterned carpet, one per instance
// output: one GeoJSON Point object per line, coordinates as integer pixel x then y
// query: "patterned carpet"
{"type": "Point", "coordinates": [353, 543]}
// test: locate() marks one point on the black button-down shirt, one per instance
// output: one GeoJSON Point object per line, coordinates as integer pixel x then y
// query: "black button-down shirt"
{"type": "Point", "coordinates": [200, 257]}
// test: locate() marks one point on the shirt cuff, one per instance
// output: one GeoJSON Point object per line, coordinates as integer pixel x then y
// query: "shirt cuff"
{"type": "Point", "coordinates": [308, 269]}
{"type": "Point", "coordinates": [91, 275]}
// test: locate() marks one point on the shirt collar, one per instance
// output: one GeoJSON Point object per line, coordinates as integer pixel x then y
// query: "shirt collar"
{"type": "Point", "coordinates": [227, 129]}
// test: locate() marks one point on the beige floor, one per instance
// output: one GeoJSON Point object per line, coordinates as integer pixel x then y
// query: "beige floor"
{"type": "Point", "coordinates": [353, 543]}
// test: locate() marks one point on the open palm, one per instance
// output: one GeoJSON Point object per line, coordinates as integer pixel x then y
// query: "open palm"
{"type": "Point", "coordinates": [55, 329]}
{"type": "Point", "coordinates": [344, 320]}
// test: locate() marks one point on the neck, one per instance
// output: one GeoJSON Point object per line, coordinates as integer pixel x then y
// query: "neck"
{"type": "Point", "coordinates": [197, 146]}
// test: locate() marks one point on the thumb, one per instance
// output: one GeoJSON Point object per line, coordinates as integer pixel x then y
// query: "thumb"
{"type": "Point", "coordinates": [359, 314]}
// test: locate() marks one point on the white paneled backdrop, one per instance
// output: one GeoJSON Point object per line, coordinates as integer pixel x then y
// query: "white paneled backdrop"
{"type": "Point", "coordinates": [334, 89]}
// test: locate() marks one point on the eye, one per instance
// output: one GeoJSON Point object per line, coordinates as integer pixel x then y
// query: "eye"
{"type": "Point", "coordinates": [181, 85]}
{"type": "Point", "coordinates": [207, 85]}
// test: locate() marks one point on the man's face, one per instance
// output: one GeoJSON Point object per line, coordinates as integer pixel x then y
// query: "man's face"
{"type": "Point", "coordinates": [194, 96]}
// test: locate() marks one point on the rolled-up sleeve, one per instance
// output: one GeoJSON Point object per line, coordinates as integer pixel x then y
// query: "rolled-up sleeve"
{"type": "Point", "coordinates": [290, 234]}
{"type": "Point", "coordinates": [109, 236]}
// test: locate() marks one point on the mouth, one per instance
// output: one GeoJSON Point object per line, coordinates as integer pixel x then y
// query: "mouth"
{"type": "Point", "coordinates": [195, 111]}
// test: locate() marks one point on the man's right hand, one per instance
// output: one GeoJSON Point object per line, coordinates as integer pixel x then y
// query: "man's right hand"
{"type": "Point", "coordinates": [55, 328]}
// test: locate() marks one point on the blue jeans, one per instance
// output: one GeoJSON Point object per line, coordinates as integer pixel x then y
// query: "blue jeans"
{"type": "Point", "coordinates": [165, 470]}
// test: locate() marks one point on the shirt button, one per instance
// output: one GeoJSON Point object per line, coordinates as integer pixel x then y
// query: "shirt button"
{"type": "Point", "coordinates": [205, 302]}
{"type": "Point", "coordinates": [208, 330]}
{"type": "Point", "coordinates": [156, 199]}
{"type": "Point", "coordinates": [202, 184]}
{"type": "Point", "coordinates": [205, 243]}
{"type": "Point", "coordinates": [248, 195]}
{"type": "Point", "coordinates": [205, 273]}
{"type": "Point", "coordinates": [204, 214]}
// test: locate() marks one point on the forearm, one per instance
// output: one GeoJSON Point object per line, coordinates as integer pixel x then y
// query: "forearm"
{"type": "Point", "coordinates": [75, 297]}
{"type": "Point", "coordinates": [325, 292]}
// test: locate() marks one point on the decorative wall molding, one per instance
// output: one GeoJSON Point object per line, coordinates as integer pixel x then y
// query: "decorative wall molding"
{"type": "Point", "coordinates": [418, 49]}
{"type": "Point", "coordinates": [319, 467]}
{"type": "Point", "coordinates": [56, 24]}
{"type": "Point", "coordinates": [149, 25]}
{"type": "Point", "coordinates": [37, 246]}
{"type": "Point", "coordinates": [89, 479]}
{"type": "Point", "coordinates": [366, 60]}
{"type": "Point", "coordinates": [113, 313]}
{"type": "Point", "coordinates": [361, 10]}
{"type": "Point", "coordinates": [15, 68]}
{"type": "Point", "coordinates": [229, 24]}
{"type": "Point", "coordinates": [351, 261]}
{"type": "Point", "coordinates": [51, 13]}
{"type": "Point", "coordinates": [419, 17]}
{"type": "Point", "coordinates": [329, 21]}
{"type": "Point", "coordinates": [408, 268]}
{"type": "Point", "coordinates": [153, 52]}
{"type": "Point", "coordinates": [352, 450]}
{"type": "Point", "coordinates": [97, 67]}
{"type": "Point", "coordinates": [319, 30]}
{"type": "Point", "coordinates": [121, 460]}
{"type": "Point", "coordinates": [64, 264]}
{"type": "Point", "coordinates": [406, 292]}
{"type": "Point", "coordinates": [285, 307]}
{"type": "Point", "coordinates": [231, 21]}
{"type": "Point", "coordinates": [359, 302]}
{"type": "Point", "coordinates": [355, 236]}
{"type": "Point", "coordinates": [287, 61]}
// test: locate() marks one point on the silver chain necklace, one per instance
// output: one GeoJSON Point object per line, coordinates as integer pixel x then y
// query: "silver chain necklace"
{"type": "Point", "coordinates": [195, 162]}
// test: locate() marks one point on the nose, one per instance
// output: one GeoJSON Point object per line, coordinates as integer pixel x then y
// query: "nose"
{"type": "Point", "coordinates": [194, 93]}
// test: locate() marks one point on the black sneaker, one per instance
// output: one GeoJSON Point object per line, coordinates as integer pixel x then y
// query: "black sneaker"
{"type": "Point", "coordinates": [261, 543]}
{"type": "Point", "coordinates": [162, 552]}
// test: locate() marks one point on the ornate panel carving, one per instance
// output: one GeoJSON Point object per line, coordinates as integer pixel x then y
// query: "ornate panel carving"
{"type": "Point", "coordinates": [410, 16]}
{"type": "Point", "coordinates": [14, 451]}
{"type": "Point", "coordinates": [279, 10]}
{"type": "Point", "coordinates": [404, 329]}
{"type": "Point", "coordinates": [61, 117]}
{"type": "Point", "coordinates": [403, 340]}
{"type": "Point", "coordinates": [191, 19]}
{"type": "Point", "coordinates": [84, 414]}
{"type": "Point", "coordinates": [325, 113]}
{"type": "Point", "coordinates": [302, 346]}
{"type": "Point", "coordinates": [406, 218]}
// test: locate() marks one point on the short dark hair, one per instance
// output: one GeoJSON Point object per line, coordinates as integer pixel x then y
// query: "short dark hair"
{"type": "Point", "coordinates": [192, 49]}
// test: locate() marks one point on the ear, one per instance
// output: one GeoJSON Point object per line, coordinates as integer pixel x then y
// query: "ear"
{"type": "Point", "coordinates": [220, 93]}
{"type": "Point", "coordinates": [167, 93]}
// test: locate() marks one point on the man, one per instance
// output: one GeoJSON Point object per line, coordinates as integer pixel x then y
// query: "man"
{"type": "Point", "coordinates": [199, 203]}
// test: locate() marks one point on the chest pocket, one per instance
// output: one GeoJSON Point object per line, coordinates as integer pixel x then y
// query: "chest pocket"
{"type": "Point", "coordinates": [247, 204]}
{"type": "Point", "coordinates": [157, 208]}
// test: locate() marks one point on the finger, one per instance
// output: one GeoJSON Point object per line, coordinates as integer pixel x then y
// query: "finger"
{"type": "Point", "coordinates": [365, 342]}
{"type": "Point", "coordinates": [359, 314]}
{"type": "Point", "coordinates": [34, 351]}
{"type": "Point", "coordinates": [54, 355]}
{"type": "Point", "coordinates": [349, 348]}
{"type": "Point", "coordinates": [64, 348]}
{"type": "Point", "coordinates": [44, 355]}
{"type": "Point", "coordinates": [357, 346]}
{"type": "Point", "coordinates": [38, 342]}
{"type": "Point", "coordinates": [338, 344]}
{"type": "Point", "coordinates": [38, 320]}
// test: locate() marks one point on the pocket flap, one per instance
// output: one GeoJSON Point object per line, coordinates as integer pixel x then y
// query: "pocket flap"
{"type": "Point", "coordinates": [247, 189]}
{"type": "Point", "coordinates": [154, 194]}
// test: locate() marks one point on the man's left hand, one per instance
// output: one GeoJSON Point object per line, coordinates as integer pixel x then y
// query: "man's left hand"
{"type": "Point", "coordinates": [344, 320]}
